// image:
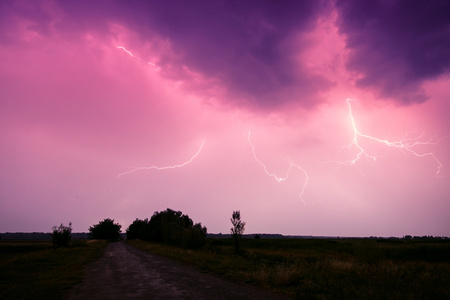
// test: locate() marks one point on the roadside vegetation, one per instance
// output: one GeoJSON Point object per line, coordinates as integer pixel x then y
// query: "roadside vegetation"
{"type": "Point", "coordinates": [237, 230]}
{"type": "Point", "coordinates": [105, 230]}
{"type": "Point", "coordinates": [61, 236]}
{"type": "Point", "coordinates": [169, 227]}
{"type": "Point", "coordinates": [34, 270]}
{"type": "Point", "coordinates": [364, 268]}
{"type": "Point", "coordinates": [326, 268]}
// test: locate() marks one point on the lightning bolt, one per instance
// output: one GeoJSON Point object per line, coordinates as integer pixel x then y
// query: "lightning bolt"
{"type": "Point", "coordinates": [405, 144]}
{"type": "Point", "coordinates": [280, 179]}
{"type": "Point", "coordinates": [124, 49]}
{"type": "Point", "coordinates": [132, 55]}
{"type": "Point", "coordinates": [157, 167]}
{"type": "Point", "coordinates": [165, 167]}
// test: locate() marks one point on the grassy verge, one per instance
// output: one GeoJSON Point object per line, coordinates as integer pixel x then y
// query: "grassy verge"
{"type": "Point", "coordinates": [327, 269]}
{"type": "Point", "coordinates": [33, 270]}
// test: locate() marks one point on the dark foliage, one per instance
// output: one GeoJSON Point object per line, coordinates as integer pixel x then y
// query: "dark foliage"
{"type": "Point", "coordinates": [105, 230]}
{"type": "Point", "coordinates": [194, 237]}
{"type": "Point", "coordinates": [169, 227]}
{"type": "Point", "coordinates": [61, 235]}
{"type": "Point", "coordinates": [237, 230]}
{"type": "Point", "coordinates": [139, 229]}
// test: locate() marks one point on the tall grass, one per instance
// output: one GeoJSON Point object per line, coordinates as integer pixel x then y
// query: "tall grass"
{"type": "Point", "coordinates": [33, 270]}
{"type": "Point", "coordinates": [328, 268]}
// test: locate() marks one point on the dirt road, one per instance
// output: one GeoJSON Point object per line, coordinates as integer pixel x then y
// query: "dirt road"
{"type": "Point", "coordinates": [125, 272]}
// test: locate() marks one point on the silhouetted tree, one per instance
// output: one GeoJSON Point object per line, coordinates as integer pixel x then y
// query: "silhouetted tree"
{"type": "Point", "coordinates": [139, 229]}
{"type": "Point", "coordinates": [237, 230]}
{"type": "Point", "coordinates": [172, 226]}
{"type": "Point", "coordinates": [169, 227]}
{"type": "Point", "coordinates": [156, 234]}
{"type": "Point", "coordinates": [194, 237]}
{"type": "Point", "coordinates": [61, 235]}
{"type": "Point", "coordinates": [105, 230]}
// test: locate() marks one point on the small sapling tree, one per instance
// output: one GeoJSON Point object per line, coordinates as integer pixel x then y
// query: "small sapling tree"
{"type": "Point", "coordinates": [237, 230]}
{"type": "Point", "coordinates": [61, 235]}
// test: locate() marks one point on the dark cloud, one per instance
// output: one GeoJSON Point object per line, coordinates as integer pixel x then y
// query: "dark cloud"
{"type": "Point", "coordinates": [37, 16]}
{"type": "Point", "coordinates": [396, 45]}
{"type": "Point", "coordinates": [241, 43]}
{"type": "Point", "coordinates": [248, 45]}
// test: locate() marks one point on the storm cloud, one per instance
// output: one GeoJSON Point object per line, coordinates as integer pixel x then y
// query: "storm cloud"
{"type": "Point", "coordinates": [396, 45]}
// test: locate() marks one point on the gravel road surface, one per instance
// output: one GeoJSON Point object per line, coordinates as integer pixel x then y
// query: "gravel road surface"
{"type": "Point", "coordinates": [125, 272]}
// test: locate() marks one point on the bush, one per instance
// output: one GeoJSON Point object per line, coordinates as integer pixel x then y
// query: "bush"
{"type": "Point", "coordinates": [105, 230]}
{"type": "Point", "coordinates": [139, 229]}
{"type": "Point", "coordinates": [61, 235]}
{"type": "Point", "coordinates": [194, 237]}
{"type": "Point", "coordinates": [169, 227]}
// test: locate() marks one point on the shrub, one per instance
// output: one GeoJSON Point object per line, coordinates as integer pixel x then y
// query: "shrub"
{"type": "Point", "coordinates": [61, 235]}
{"type": "Point", "coordinates": [139, 229]}
{"type": "Point", "coordinates": [169, 227]}
{"type": "Point", "coordinates": [194, 237]}
{"type": "Point", "coordinates": [105, 230]}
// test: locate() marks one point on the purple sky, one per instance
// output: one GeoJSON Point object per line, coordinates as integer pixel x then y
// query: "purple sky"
{"type": "Point", "coordinates": [310, 117]}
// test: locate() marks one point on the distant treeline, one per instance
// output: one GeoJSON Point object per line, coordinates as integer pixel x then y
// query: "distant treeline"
{"type": "Point", "coordinates": [41, 236]}
{"type": "Point", "coordinates": [280, 236]}
{"type": "Point", "coordinates": [84, 235]}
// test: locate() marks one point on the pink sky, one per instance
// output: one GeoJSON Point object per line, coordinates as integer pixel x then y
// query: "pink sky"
{"type": "Point", "coordinates": [216, 107]}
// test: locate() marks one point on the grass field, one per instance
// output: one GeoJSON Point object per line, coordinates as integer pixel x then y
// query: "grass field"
{"type": "Point", "coordinates": [300, 268]}
{"type": "Point", "coordinates": [328, 268]}
{"type": "Point", "coordinates": [33, 270]}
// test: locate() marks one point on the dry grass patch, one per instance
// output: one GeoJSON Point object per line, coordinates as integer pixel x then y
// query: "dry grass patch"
{"type": "Point", "coordinates": [328, 269]}
{"type": "Point", "coordinates": [33, 270]}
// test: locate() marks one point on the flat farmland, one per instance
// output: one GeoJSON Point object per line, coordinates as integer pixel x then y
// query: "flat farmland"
{"type": "Point", "coordinates": [33, 270]}
{"type": "Point", "coordinates": [295, 268]}
{"type": "Point", "coordinates": [327, 268]}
